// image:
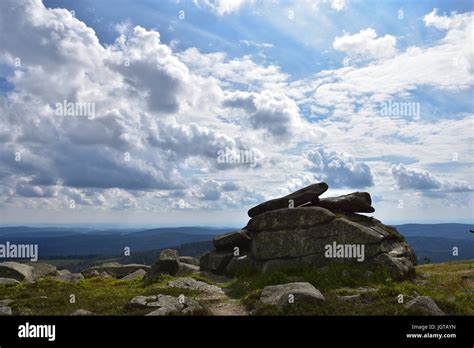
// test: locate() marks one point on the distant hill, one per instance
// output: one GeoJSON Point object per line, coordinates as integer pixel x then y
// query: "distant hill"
{"type": "Point", "coordinates": [457, 231]}
{"type": "Point", "coordinates": [56, 242]}
{"type": "Point", "coordinates": [434, 241]}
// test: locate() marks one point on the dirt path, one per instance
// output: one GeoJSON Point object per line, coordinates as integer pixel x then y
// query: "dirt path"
{"type": "Point", "coordinates": [223, 304]}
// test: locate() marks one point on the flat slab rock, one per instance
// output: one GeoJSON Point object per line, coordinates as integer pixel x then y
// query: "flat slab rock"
{"type": "Point", "coordinates": [309, 193]}
{"type": "Point", "coordinates": [280, 295]}
{"type": "Point", "coordinates": [356, 202]}
{"type": "Point", "coordinates": [116, 270]}
{"type": "Point", "coordinates": [193, 284]}
{"type": "Point", "coordinates": [165, 304]}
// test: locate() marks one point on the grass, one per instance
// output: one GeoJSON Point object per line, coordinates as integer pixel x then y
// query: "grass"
{"type": "Point", "coordinates": [105, 296]}
{"type": "Point", "coordinates": [443, 282]}
{"type": "Point", "coordinates": [451, 285]}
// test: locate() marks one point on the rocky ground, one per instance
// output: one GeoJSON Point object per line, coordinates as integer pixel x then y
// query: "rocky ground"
{"type": "Point", "coordinates": [437, 289]}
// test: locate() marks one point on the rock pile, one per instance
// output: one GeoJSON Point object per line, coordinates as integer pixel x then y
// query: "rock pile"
{"type": "Point", "coordinates": [301, 229]}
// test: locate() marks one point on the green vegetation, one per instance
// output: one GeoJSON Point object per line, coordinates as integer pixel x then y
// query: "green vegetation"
{"type": "Point", "coordinates": [451, 285]}
{"type": "Point", "coordinates": [106, 296]}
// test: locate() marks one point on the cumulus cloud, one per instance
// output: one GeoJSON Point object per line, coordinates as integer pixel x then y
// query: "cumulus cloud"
{"type": "Point", "coordinates": [274, 112]}
{"type": "Point", "coordinates": [418, 179]}
{"type": "Point", "coordinates": [456, 20]}
{"type": "Point", "coordinates": [339, 169]}
{"type": "Point", "coordinates": [366, 44]}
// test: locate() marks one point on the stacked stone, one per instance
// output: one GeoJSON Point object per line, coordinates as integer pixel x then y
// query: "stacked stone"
{"type": "Point", "coordinates": [295, 230]}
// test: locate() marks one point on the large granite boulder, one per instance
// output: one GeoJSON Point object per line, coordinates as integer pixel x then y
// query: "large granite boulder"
{"type": "Point", "coordinates": [228, 241]}
{"type": "Point", "coordinates": [319, 233]}
{"type": "Point", "coordinates": [290, 218]}
{"type": "Point", "coordinates": [307, 194]}
{"type": "Point", "coordinates": [16, 270]}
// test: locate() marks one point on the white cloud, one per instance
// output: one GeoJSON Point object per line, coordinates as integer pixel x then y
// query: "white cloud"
{"type": "Point", "coordinates": [446, 22]}
{"type": "Point", "coordinates": [366, 44]}
{"type": "Point", "coordinates": [418, 179]}
{"type": "Point", "coordinates": [339, 169]}
{"type": "Point", "coordinates": [222, 7]}
{"type": "Point", "coordinates": [338, 5]}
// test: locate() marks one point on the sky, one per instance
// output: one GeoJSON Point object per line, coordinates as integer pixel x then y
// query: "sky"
{"type": "Point", "coordinates": [181, 113]}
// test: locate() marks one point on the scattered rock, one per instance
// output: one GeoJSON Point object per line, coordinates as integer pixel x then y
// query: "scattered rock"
{"type": "Point", "coordinates": [16, 270]}
{"type": "Point", "coordinates": [82, 312]}
{"type": "Point", "coordinates": [8, 281]}
{"type": "Point", "coordinates": [167, 263]}
{"type": "Point", "coordinates": [139, 273]}
{"type": "Point", "coordinates": [193, 284]}
{"type": "Point", "coordinates": [67, 276]}
{"type": "Point", "coordinates": [349, 298]}
{"type": "Point", "coordinates": [189, 260]}
{"type": "Point", "coordinates": [310, 193]}
{"type": "Point", "coordinates": [352, 203]}
{"type": "Point", "coordinates": [228, 241]}
{"type": "Point", "coordinates": [279, 295]}
{"type": "Point", "coordinates": [5, 311]}
{"type": "Point", "coordinates": [425, 304]}
{"type": "Point", "coordinates": [113, 269]}
{"type": "Point", "coordinates": [41, 269]}
{"type": "Point", "coordinates": [6, 302]}
{"type": "Point", "coordinates": [165, 304]}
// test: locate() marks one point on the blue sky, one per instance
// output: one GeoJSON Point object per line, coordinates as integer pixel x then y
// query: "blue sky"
{"type": "Point", "coordinates": [298, 85]}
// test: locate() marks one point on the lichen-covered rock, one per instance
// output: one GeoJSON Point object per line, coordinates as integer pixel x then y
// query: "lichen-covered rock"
{"type": "Point", "coordinates": [290, 218]}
